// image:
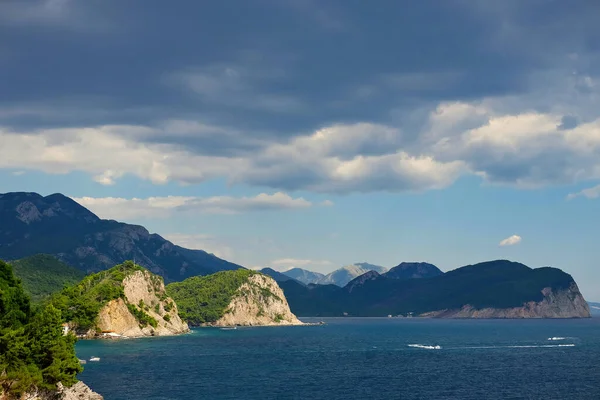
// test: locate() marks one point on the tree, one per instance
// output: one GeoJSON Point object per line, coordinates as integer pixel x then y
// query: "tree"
{"type": "Point", "coordinates": [33, 350]}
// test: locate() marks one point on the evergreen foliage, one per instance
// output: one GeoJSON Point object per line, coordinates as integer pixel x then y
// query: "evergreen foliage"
{"type": "Point", "coordinates": [204, 299]}
{"type": "Point", "coordinates": [43, 275]}
{"type": "Point", "coordinates": [33, 350]}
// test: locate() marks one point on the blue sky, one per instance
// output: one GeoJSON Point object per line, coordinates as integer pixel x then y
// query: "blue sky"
{"type": "Point", "coordinates": [316, 133]}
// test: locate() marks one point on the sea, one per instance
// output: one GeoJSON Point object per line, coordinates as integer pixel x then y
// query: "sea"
{"type": "Point", "coordinates": [356, 358]}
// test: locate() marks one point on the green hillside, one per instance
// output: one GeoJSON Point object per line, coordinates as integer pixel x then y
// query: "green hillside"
{"type": "Point", "coordinates": [82, 302]}
{"type": "Point", "coordinates": [202, 299]}
{"type": "Point", "coordinates": [33, 350]}
{"type": "Point", "coordinates": [494, 284]}
{"type": "Point", "coordinates": [43, 275]}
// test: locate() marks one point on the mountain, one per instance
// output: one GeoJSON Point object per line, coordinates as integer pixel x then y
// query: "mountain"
{"type": "Point", "coordinates": [126, 300]}
{"type": "Point", "coordinates": [303, 275]}
{"type": "Point", "coordinates": [412, 270]}
{"type": "Point", "coordinates": [278, 276]}
{"type": "Point", "coordinates": [57, 225]}
{"type": "Point", "coordinates": [341, 277]}
{"type": "Point", "coordinates": [494, 289]}
{"type": "Point", "coordinates": [43, 275]}
{"type": "Point", "coordinates": [233, 298]}
{"type": "Point", "coordinates": [361, 280]}
{"type": "Point", "coordinates": [595, 309]}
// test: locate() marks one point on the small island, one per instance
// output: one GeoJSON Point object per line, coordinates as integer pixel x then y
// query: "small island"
{"type": "Point", "coordinates": [232, 298]}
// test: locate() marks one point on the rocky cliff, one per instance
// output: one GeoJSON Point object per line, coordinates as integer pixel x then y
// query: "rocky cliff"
{"type": "Point", "coordinates": [258, 302]}
{"type": "Point", "coordinates": [145, 293]}
{"type": "Point", "coordinates": [79, 391]}
{"type": "Point", "coordinates": [126, 300]}
{"type": "Point", "coordinates": [561, 303]}
{"type": "Point", "coordinates": [229, 298]}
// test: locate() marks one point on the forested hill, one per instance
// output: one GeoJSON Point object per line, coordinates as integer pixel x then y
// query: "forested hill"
{"type": "Point", "coordinates": [42, 275]}
{"type": "Point", "coordinates": [494, 285]}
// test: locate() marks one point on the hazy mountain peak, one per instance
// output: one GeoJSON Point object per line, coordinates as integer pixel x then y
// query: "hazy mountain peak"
{"type": "Point", "coordinates": [342, 276]}
{"type": "Point", "coordinates": [303, 275]}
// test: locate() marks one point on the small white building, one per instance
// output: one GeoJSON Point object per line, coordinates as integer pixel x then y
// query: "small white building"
{"type": "Point", "coordinates": [65, 329]}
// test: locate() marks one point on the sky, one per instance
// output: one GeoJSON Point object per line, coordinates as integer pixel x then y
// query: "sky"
{"type": "Point", "coordinates": [316, 134]}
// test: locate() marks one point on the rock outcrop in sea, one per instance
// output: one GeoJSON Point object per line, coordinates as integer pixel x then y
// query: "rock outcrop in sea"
{"type": "Point", "coordinates": [147, 293]}
{"type": "Point", "coordinates": [562, 303]}
{"type": "Point", "coordinates": [79, 391]}
{"type": "Point", "coordinates": [258, 302]}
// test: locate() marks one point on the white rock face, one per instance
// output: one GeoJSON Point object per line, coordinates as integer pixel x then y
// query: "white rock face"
{"type": "Point", "coordinates": [258, 302]}
{"type": "Point", "coordinates": [148, 290]}
{"type": "Point", "coordinates": [568, 303]}
{"type": "Point", "coordinates": [79, 391]}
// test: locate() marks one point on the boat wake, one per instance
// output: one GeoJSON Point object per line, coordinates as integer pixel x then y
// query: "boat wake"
{"type": "Point", "coordinates": [523, 346]}
{"type": "Point", "coordinates": [422, 346]}
{"type": "Point", "coordinates": [555, 338]}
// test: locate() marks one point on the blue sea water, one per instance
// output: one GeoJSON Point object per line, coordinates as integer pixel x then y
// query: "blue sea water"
{"type": "Point", "coordinates": [368, 358]}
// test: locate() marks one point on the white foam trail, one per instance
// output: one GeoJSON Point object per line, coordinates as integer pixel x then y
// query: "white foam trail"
{"type": "Point", "coordinates": [517, 346]}
{"type": "Point", "coordinates": [545, 345]}
{"type": "Point", "coordinates": [422, 346]}
{"type": "Point", "coordinates": [554, 338]}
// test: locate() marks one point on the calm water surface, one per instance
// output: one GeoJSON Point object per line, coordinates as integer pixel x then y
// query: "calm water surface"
{"type": "Point", "coordinates": [347, 358]}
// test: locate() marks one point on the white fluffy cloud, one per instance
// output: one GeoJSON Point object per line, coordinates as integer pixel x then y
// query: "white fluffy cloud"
{"type": "Point", "coordinates": [524, 149]}
{"type": "Point", "coordinates": [590, 193]}
{"type": "Point", "coordinates": [511, 240]}
{"type": "Point", "coordinates": [161, 207]}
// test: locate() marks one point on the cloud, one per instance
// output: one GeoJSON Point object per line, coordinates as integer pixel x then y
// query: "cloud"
{"type": "Point", "coordinates": [162, 207]}
{"type": "Point", "coordinates": [298, 262]}
{"type": "Point", "coordinates": [237, 86]}
{"type": "Point", "coordinates": [590, 193]}
{"type": "Point", "coordinates": [62, 14]}
{"type": "Point", "coordinates": [525, 150]}
{"type": "Point", "coordinates": [208, 243]}
{"type": "Point", "coordinates": [511, 241]}
{"type": "Point", "coordinates": [285, 264]}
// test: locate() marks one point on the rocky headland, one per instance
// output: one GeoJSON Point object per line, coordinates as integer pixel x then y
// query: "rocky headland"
{"type": "Point", "coordinates": [493, 289]}
{"type": "Point", "coordinates": [125, 301]}
{"type": "Point", "coordinates": [232, 298]}
{"type": "Point", "coordinates": [561, 303]}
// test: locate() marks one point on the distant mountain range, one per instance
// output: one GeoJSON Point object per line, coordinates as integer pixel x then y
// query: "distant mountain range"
{"type": "Point", "coordinates": [340, 277]}
{"type": "Point", "coordinates": [303, 275]}
{"type": "Point", "coordinates": [57, 225]}
{"type": "Point", "coordinates": [495, 289]}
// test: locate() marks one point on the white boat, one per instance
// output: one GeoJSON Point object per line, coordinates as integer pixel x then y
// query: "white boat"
{"type": "Point", "coordinates": [95, 359]}
{"type": "Point", "coordinates": [229, 329]}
